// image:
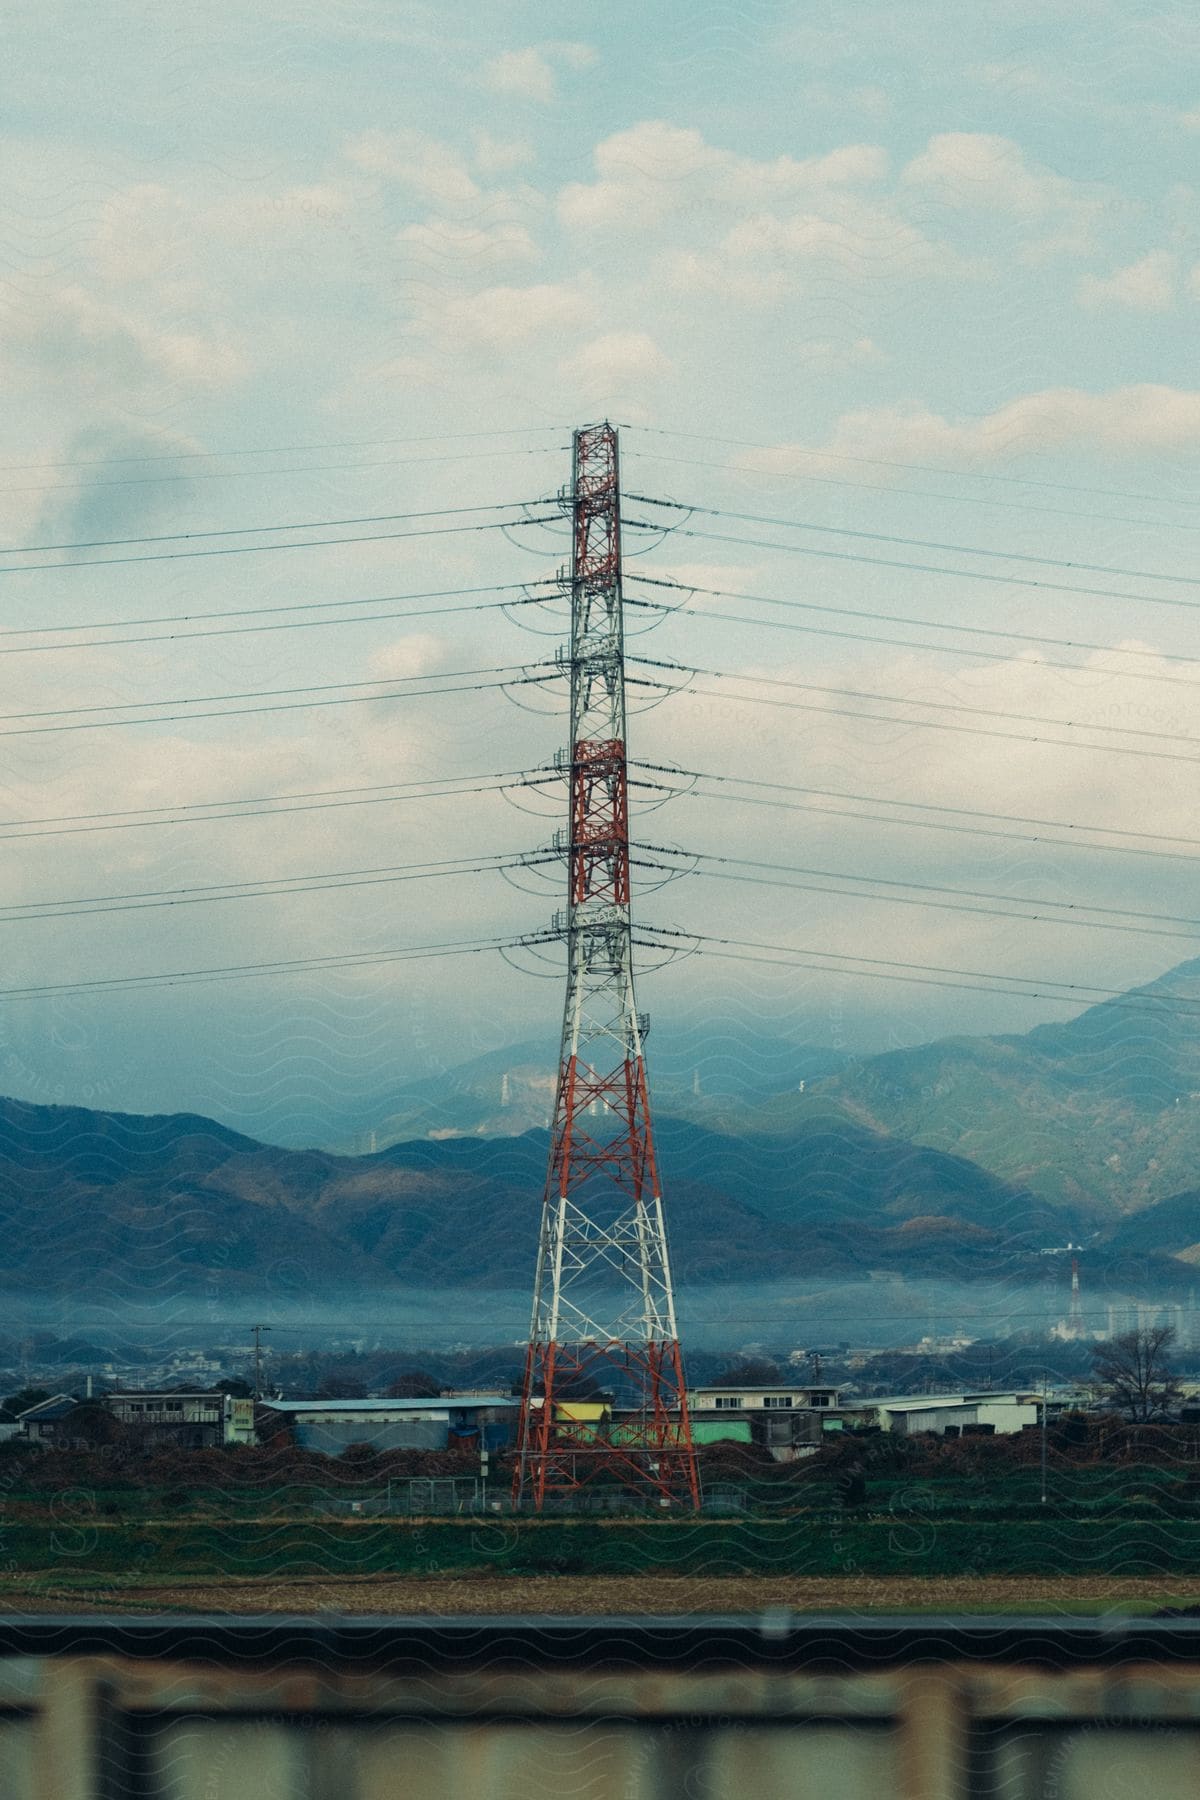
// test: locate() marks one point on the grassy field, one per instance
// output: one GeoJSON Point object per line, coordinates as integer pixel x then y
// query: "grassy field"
{"type": "Point", "coordinates": [893, 1545]}
{"type": "Point", "coordinates": [1127, 1537]}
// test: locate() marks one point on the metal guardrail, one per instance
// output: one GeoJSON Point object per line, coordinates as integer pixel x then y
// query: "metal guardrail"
{"type": "Point", "coordinates": [650, 1709]}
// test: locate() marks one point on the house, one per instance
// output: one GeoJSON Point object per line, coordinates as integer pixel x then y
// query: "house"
{"type": "Point", "coordinates": [790, 1421]}
{"type": "Point", "coordinates": [49, 1422]}
{"type": "Point", "coordinates": [739, 1397]}
{"type": "Point", "coordinates": [196, 1420]}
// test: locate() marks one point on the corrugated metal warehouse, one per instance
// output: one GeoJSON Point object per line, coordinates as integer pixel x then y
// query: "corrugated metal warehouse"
{"type": "Point", "coordinates": [448, 1421]}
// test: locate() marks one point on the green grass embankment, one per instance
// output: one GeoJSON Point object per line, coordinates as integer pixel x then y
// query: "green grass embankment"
{"type": "Point", "coordinates": [889, 1545]}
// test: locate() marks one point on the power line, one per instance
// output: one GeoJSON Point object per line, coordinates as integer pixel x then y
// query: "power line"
{"type": "Point", "coordinates": [988, 712]}
{"type": "Point", "coordinates": [880, 462]}
{"type": "Point", "coordinates": [858, 637]}
{"type": "Point", "coordinates": [1008, 737]}
{"type": "Point", "coordinates": [435, 437]}
{"type": "Point", "coordinates": [958, 812]}
{"type": "Point", "coordinates": [262, 806]}
{"type": "Point", "coordinates": [887, 537]}
{"type": "Point", "coordinates": [853, 612]}
{"type": "Point", "coordinates": [926, 888]}
{"type": "Point", "coordinates": [247, 971]}
{"type": "Point", "coordinates": [254, 612]}
{"type": "Point", "coordinates": [1020, 986]}
{"type": "Point", "coordinates": [519, 680]}
{"type": "Point", "coordinates": [173, 537]}
{"type": "Point", "coordinates": [176, 637]}
{"type": "Point", "coordinates": [377, 537]}
{"type": "Point", "coordinates": [191, 476]}
{"type": "Point", "coordinates": [891, 562]}
{"type": "Point", "coordinates": [888, 487]}
{"type": "Point", "coordinates": [265, 887]}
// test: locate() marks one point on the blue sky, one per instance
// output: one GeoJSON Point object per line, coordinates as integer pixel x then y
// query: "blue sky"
{"type": "Point", "coordinates": [926, 272]}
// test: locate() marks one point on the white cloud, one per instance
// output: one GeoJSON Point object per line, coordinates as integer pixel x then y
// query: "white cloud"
{"type": "Point", "coordinates": [1124, 421]}
{"type": "Point", "coordinates": [140, 234]}
{"type": "Point", "coordinates": [419, 654]}
{"type": "Point", "coordinates": [497, 156]}
{"type": "Point", "coordinates": [983, 173]}
{"type": "Point", "coordinates": [691, 272]}
{"type": "Point", "coordinates": [571, 53]}
{"type": "Point", "coordinates": [431, 170]}
{"type": "Point", "coordinates": [521, 75]}
{"type": "Point", "coordinates": [828, 355]}
{"type": "Point", "coordinates": [618, 363]}
{"type": "Point", "coordinates": [981, 170]}
{"type": "Point", "coordinates": [528, 74]}
{"type": "Point", "coordinates": [498, 318]}
{"type": "Point", "coordinates": [655, 169]}
{"type": "Point", "coordinates": [69, 333]}
{"type": "Point", "coordinates": [443, 245]}
{"type": "Point", "coordinates": [1144, 286]}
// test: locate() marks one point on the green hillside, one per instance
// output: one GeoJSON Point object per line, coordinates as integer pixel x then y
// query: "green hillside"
{"type": "Point", "coordinates": [1101, 1114]}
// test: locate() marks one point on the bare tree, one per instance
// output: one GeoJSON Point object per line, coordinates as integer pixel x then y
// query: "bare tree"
{"type": "Point", "coordinates": [1134, 1373]}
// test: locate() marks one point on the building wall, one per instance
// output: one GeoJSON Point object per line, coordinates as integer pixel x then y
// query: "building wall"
{"type": "Point", "coordinates": [333, 1436]}
{"type": "Point", "coordinates": [756, 1399]}
{"type": "Point", "coordinates": [1004, 1417]}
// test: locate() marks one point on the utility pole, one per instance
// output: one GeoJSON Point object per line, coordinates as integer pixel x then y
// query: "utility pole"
{"type": "Point", "coordinates": [258, 1331]}
{"type": "Point", "coordinates": [1045, 1395]}
{"type": "Point", "coordinates": [603, 1301]}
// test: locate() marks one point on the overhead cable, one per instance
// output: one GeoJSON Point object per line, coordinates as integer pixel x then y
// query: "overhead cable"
{"type": "Point", "coordinates": [855, 612]}
{"type": "Point", "coordinates": [953, 812]}
{"type": "Point", "coordinates": [910, 493]}
{"type": "Point", "coordinates": [522, 679]}
{"type": "Point", "coordinates": [261, 806]}
{"type": "Point", "coordinates": [1020, 986]}
{"type": "Point", "coordinates": [172, 537]}
{"type": "Point", "coordinates": [891, 562]}
{"type": "Point", "coordinates": [377, 537]}
{"type": "Point", "coordinates": [364, 959]}
{"type": "Point", "coordinates": [265, 887]}
{"type": "Point", "coordinates": [989, 712]}
{"type": "Point", "coordinates": [880, 462]}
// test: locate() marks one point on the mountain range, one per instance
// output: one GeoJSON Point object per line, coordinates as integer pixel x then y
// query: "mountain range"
{"type": "Point", "coordinates": [961, 1159]}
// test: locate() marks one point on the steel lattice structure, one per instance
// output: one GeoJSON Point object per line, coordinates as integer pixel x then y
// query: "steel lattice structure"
{"type": "Point", "coordinates": [603, 1302]}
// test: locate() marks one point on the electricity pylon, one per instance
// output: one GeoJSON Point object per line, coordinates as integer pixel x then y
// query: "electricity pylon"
{"type": "Point", "coordinates": [603, 1303]}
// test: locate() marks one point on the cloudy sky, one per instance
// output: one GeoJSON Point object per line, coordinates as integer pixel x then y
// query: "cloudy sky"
{"type": "Point", "coordinates": [909, 296]}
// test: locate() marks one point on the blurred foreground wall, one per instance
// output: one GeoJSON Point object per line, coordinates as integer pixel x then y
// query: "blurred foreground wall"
{"type": "Point", "coordinates": [489, 1709]}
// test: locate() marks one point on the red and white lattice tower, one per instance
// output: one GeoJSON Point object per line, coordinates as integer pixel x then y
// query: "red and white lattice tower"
{"type": "Point", "coordinates": [603, 1304]}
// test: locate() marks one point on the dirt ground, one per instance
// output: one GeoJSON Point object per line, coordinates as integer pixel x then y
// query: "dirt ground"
{"type": "Point", "coordinates": [620, 1596]}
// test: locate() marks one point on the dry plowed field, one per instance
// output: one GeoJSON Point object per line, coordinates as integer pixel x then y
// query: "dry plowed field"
{"type": "Point", "coordinates": [627, 1596]}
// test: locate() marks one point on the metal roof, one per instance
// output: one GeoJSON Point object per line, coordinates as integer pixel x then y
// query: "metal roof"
{"type": "Point", "coordinates": [931, 1402]}
{"type": "Point", "coordinates": [439, 1403]}
{"type": "Point", "coordinates": [56, 1407]}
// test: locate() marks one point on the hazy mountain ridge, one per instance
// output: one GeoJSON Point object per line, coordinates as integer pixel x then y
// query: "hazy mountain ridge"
{"type": "Point", "coordinates": [1100, 1115]}
{"type": "Point", "coordinates": [964, 1158]}
{"type": "Point", "coordinates": [164, 1204]}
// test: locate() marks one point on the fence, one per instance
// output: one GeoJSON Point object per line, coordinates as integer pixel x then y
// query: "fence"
{"type": "Point", "coordinates": [426, 1496]}
{"type": "Point", "coordinates": [510, 1709]}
